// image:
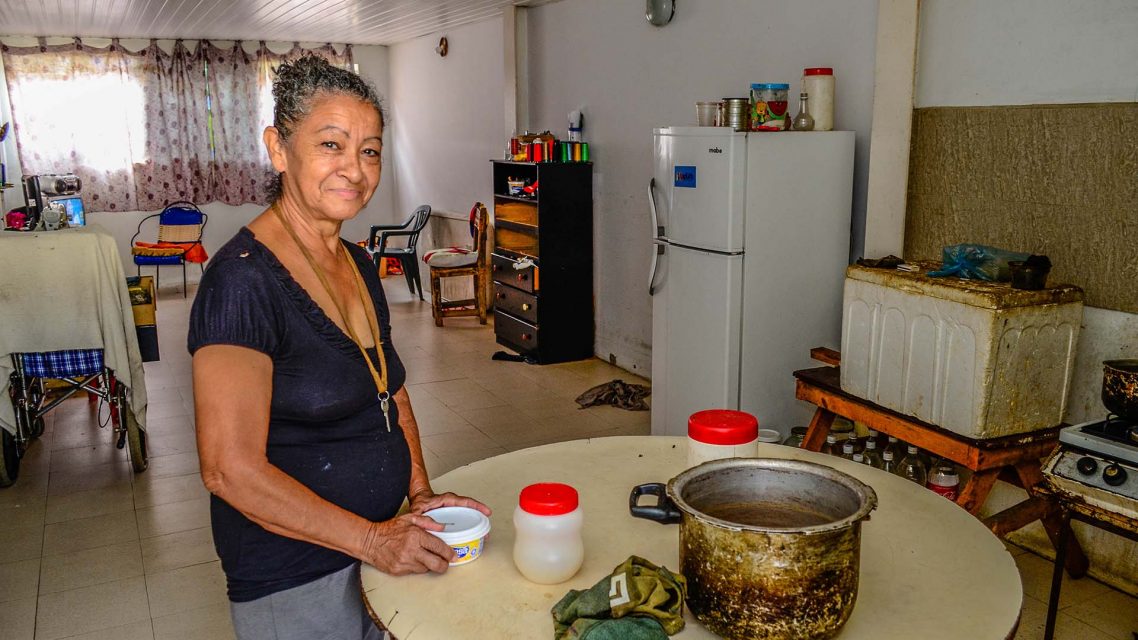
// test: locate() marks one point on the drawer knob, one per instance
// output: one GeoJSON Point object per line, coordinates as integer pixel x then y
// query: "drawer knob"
{"type": "Point", "coordinates": [521, 277]}
{"type": "Point", "coordinates": [500, 296]}
{"type": "Point", "coordinates": [526, 336]}
{"type": "Point", "coordinates": [496, 267]}
{"type": "Point", "coordinates": [525, 306]}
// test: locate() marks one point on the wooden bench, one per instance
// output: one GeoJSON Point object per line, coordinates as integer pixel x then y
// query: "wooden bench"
{"type": "Point", "coordinates": [1016, 458]}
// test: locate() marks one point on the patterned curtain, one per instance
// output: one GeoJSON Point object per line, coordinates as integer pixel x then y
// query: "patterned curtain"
{"type": "Point", "coordinates": [136, 127]}
{"type": "Point", "coordinates": [63, 122]}
{"type": "Point", "coordinates": [240, 166]}
{"type": "Point", "coordinates": [177, 165]}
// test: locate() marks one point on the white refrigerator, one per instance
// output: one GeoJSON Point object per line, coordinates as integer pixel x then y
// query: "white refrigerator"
{"type": "Point", "coordinates": [751, 239]}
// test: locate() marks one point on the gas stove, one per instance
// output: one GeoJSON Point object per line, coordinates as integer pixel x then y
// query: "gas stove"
{"type": "Point", "coordinates": [1098, 462]}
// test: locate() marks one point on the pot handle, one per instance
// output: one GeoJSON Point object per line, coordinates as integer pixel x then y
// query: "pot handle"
{"type": "Point", "coordinates": [664, 511]}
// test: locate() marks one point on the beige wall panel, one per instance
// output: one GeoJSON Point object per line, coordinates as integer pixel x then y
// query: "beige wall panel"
{"type": "Point", "coordinates": [1060, 180]}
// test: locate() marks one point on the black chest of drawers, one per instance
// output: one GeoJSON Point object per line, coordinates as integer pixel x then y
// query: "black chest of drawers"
{"type": "Point", "coordinates": [542, 265]}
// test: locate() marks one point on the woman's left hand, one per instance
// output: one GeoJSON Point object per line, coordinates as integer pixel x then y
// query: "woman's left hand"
{"type": "Point", "coordinates": [424, 500]}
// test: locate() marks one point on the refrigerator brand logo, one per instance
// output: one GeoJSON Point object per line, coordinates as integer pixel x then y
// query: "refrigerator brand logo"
{"type": "Point", "coordinates": [715, 150]}
{"type": "Point", "coordinates": [685, 177]}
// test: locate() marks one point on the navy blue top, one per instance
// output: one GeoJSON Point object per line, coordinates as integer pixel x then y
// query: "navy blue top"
{"type": "Point", "coordinates": [326, 428]}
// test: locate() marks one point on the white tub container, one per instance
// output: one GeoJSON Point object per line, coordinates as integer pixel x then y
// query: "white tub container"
{"type": "Point", "coordinates": [977, 358]}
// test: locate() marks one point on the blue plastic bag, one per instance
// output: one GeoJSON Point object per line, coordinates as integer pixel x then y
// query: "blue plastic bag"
{"type": "Point", "coordinates": [977, 262]}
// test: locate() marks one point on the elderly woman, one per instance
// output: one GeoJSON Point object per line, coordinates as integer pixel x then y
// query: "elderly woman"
{"type": "Point", "coordinates": [307, 440]}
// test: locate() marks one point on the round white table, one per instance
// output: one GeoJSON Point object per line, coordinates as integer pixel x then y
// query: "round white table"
{"type": "Point", "coordinates": [928, 569]}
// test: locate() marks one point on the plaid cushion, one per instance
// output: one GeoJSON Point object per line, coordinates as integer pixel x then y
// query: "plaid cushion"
{"type": "Point", "coordinates": [61, 364]}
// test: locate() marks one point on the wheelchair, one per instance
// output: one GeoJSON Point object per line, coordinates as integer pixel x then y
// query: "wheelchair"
{"type": "Point", "coordinates": [79, 370]}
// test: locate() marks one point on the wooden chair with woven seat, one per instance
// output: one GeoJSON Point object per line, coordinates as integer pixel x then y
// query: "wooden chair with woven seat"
{"type": "Point", "coordinates": [455, 262]}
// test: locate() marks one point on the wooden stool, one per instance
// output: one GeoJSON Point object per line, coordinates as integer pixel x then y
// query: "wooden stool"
{"type": "Point", "coordinates": [1017, 458]}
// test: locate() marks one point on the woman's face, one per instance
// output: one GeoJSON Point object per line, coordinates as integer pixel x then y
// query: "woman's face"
{"type": "Point", "coordinates": [331, 163]}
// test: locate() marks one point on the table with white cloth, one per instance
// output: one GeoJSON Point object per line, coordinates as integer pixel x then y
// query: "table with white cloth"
{"type": "Point", "coordinates": [928, 568]}
{"type": "Point", "coordinates": [66, 290]}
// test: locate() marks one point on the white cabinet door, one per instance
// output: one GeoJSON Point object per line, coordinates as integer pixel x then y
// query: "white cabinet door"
{"type": "Point", "coordinates": [696, 335]}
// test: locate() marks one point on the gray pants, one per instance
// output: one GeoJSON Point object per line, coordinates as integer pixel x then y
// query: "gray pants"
{"type": "Point", "coordinates": [330, 608]}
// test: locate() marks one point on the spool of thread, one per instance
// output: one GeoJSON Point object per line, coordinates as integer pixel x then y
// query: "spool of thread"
{"type": "Point", "coordinates": [549, 150]}
{"type": "Point", "coordinates": [584, 152]}
{"type": "Point", "coordinates": [538, 151]}
{"type": "Point", "coordinates": [529, 152]}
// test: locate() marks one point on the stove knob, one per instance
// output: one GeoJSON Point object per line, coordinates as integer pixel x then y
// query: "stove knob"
{"type": "Point", "coordinates": [1086, 465]}
{"type": "Point", "coordinates": [1114, 475]}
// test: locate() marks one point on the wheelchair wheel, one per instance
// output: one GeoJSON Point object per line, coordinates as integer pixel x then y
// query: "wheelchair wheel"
{"type": "Point", "coordinates": [135, 436]}
{"type": "Point", "coordinates": [9, 459]}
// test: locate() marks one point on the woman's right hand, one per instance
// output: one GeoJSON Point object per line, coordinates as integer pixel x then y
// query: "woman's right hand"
{"type": "Point", "coordinates": [403, 545]}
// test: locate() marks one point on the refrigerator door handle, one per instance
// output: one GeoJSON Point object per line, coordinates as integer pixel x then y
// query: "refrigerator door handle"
{"type": "Point", "coordinates": [656, 253]}
{"type": "Point", "coordinates": [657, 229]}
{"type": "Point", "coordinates": [658, 238]}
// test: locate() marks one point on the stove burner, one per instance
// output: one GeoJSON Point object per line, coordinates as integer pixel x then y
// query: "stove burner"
{"type": "Point", "coordinates": [1115, 428]}
{"type": "Point", "coordinates": [1114, 437]}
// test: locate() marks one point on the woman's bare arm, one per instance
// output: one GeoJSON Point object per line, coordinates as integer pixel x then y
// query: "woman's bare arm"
{"type": "Point", "coordinates": [232, 393]}
{"type": "Point", "coordinates": [420, 495]}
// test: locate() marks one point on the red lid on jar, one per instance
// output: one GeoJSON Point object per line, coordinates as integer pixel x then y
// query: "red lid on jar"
{"type": "Point", "coordinates": [723, 426]}
{"type": "Point", "coordinates": [818, 71]}
{"type": "Point", "coordinates": [548, 499]}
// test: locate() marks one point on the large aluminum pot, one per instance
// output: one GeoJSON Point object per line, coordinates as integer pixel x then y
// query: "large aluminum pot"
{"type": "Point", "coordinates": [770, 548]}
{"type": "Point", "coordinates": [1120, 388]}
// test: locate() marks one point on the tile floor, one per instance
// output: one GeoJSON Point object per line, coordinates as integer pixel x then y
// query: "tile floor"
{"type": "Point", "coordinates": [94, 551]}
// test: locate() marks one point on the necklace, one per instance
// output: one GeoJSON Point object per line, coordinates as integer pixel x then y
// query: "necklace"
{"type": "Point", "coordinates": [378, 376]}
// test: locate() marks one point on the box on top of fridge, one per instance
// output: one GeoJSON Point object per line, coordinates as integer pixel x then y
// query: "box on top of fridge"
{"type": "Point", "coordinates": [977, 358]}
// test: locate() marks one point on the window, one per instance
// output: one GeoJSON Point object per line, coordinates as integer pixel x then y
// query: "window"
{"type": "Point", "coordinates": [143, 129]}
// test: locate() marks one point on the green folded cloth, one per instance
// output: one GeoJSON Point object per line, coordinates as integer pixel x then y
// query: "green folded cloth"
{"type": "Point", "coordinates": [638, 601]}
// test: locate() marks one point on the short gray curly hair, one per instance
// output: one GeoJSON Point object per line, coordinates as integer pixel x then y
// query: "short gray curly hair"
{"type": "Point", "coordinates": [298, 83]}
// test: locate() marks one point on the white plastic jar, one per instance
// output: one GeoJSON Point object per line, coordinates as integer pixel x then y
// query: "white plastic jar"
{"type": "Point", "coordinates": [548, 548]}
{"type": "Point", "coordinates": [818, 82]}
{"type": "Point", "coordinates": [721, 433]}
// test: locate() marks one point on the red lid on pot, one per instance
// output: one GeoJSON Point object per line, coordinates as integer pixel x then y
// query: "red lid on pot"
{"type": "Point", "coordinates": [723, 426]}
{"type": "Point", "coordinates": [818, 71]}
{"type": "Point", "coordinates": [548, 499]}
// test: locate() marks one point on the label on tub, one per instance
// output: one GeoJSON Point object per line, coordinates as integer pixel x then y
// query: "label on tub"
{"type": "Point", "coordinates": [685, 177]}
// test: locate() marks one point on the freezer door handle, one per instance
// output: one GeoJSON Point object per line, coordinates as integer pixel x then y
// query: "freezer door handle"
{"type": "Point", "coordinates": [660, 244]}
{"type": "Point", "coordinates": [657, 228]}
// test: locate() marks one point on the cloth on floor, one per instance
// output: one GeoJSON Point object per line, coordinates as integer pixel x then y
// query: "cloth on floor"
{"type": "Point", "coordinates": [638, 601]}
{"type": "Point", "coordinates": [618, 393]}
{"type": "Point", "coordinates": [512, 357]}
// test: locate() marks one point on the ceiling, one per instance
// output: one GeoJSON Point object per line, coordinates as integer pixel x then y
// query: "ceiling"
{"type": "Point", "coordinates": [350, 21]}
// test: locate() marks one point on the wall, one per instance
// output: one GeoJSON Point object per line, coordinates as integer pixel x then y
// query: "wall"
{"type": "Point", "coordinates": [629, 77]}
{"type": "Point", "coordinates": [1022, 178]}
{"type": "Point", "coordinates": [1019, 52]}
{"type": "Point", "coordinates": [447, 121]}
{"type": "Point", "coordinates": [447, 118]}
{"type": "Point", "coordinates": [224, 220]}
{"type": "Point", "coordinates": [989, 52]}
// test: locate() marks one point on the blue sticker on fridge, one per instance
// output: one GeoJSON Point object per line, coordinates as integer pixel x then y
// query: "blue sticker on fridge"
{"type": "Point", "coordinates": [685, 177]}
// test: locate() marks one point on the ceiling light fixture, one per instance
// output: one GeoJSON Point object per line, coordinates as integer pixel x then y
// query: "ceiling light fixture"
{"type": "Point", "coordinates": [443, 47]}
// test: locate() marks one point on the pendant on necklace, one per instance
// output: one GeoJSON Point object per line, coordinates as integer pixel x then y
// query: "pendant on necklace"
{"type": "Point", "coordinates": [384, 405]}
